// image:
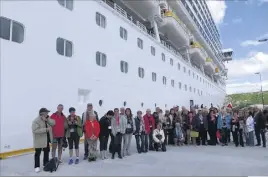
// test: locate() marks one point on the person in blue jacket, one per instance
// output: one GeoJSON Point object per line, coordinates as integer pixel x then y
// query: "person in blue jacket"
{"type": "Point", "coordinates": [224, 126]}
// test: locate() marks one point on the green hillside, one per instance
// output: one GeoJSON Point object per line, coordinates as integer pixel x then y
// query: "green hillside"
{"type": "Point", "coordinates": [246, 99]}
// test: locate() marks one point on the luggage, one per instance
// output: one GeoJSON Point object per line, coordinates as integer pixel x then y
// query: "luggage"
{"type": "Point", "coordinates": [194, 134]}
{"type": "Point", "coordinates": [52, 165]}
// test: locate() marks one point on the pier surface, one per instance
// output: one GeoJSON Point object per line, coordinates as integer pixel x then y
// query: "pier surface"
{"type": "Point", "coordinates": [177, 161]}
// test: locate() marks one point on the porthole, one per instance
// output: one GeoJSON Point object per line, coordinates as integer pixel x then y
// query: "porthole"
{"type": "Point", "coordinates": [142, 104]}
{"type": "Point", "coordinates": [125, 103]}
{"type": "Point", "coordinates": [165, 105]}
{"type": "Point", "coordinates": [100, 102]}
{"type": "Point", "coordinates": [155, 105]}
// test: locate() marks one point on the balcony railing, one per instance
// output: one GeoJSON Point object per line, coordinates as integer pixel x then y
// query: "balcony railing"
{"type": "Point", "coordinates": [144, 29]}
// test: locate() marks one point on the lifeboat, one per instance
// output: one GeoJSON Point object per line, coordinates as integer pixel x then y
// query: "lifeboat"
{"type": "Point", "coordinates": [197, 53]}
{"type": "Point", "coordinates": [144, 8]}
{"type": "Point", "coordinates": [209, 66]}
{"type": "Point", "coordinates": [173, 28]}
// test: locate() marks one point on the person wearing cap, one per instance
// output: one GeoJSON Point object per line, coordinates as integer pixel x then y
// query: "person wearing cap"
{"type": "Point", "coordinates": [58, 131]}
{"type": "Point", "coordinates": [92, 131]}
{"type": "Point", "coordinates": [73, 134]}
{"type": "Point", "coordinates": [89, 109]}
{"type": "Point", "coordinates": [105, 130]}
{"type": "Point", "coordinates": [42, 136]}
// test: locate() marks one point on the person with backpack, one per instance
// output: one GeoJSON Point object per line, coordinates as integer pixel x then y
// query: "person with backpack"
{"type": "Point", "coordinates": [92, 131]}
{"type": "Point", "coordinates": [73, 134]}
{"type": "Point", "coordinates": [42, 136]}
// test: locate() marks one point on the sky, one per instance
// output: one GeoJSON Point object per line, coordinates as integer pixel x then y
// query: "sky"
{"type": "Point", "coordinates": [241, 24]}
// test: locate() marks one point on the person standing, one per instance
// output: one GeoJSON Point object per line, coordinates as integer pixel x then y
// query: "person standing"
{"type": "Point", "coordinates": [73, 134]}
{"type": "Point", "coordinates": [42, 136]}
{"type": "Point", "coordinates": [149, 128]}
{"type": "Point", "coordinates": [250, 128]}
{"type": "Point", "coordinates": [92, 131]}
{"type": "Point", "coordinates": [203, 128]}
{"type": "Point", "coordinates": [140, 133]}
{"type": "Point", "coordinates": [235, 129]}
{"type": "Point", "coordinates": [118, 124]}
{"type": "Point", "coordinates": [105, 130]}
{"type": "Point", "coordinates": [89, 109]}
{"type": "Point", "coordinates": [257, 113]}
{"type": "Point", "coordinates": [58, 131]}
{"type": "Point", "coordinates": [130, 129]}
{"type": "Point", "coordinates": [261, 125]}
{"type": "Point", "coordinates": [212, 127]}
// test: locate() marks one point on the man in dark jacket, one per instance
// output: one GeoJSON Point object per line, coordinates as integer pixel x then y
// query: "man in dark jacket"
{"type": "Point", "coordinates": [89, 109]}
{"type": "Point", "coordinates": [105, 131]}
{"type": "Point", "coordinates": [203, 128]}
{"type": "Point", "coordinates": [261, 121]}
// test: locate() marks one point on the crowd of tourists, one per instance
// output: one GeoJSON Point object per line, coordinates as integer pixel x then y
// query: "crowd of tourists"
{"type": "Point", "coordinates": [152, 131]}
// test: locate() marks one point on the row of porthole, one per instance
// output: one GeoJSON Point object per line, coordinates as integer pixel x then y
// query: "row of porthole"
{"type": "Point", "coordinates": [125, 103]}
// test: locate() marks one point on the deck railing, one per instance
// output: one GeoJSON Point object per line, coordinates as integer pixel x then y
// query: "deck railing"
{"type": "Point", "coordinates": [144, 29]}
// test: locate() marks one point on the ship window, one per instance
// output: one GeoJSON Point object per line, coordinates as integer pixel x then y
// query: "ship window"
{"type": "Point", "coordinates": [171, 61]}
{"type": "Point", "coordinates": [179, 85]}
{"type": "Point", "coordinates": [142, 104]}
{"type": "Point", "coordinates": [201, 92]}
{"type": "Point", "coordinates": [11, 30]}
{"type": "Point", "coordinates": [101, 59]}
{"type": "Point", "coordinates": [123, 33]}
{"type": "Point", "coordinates": [154, 77]}
{"type": "Point", "coordinates": [200, 79]}
{"type": "Point", "coordinates": [125, 103]}
{"type": "Point", "coordinates": [100, 20]}
{"type": "Point", "coordinates": [163, 57]}
{"type": "Point", "coordinates": [67, 4]}
{"type": "Point", "coordinates": [185, 87]}
{"type": "Point", "coordinates": [64, 47]}
{"type": "Point", "coordinates": [124, 66]}
{"type": "Point", "coordinates": [164, 80]}
{"type": "Point", "coordinates": [189, 72]}
{"type": "Point", "coordinates": [152, 50]}
{"type": "Point", "coordinates": [184, 69]}
{"type": "Point", "coordinates": [140, 43]}
{"type": "Point", "coordinates": [190, 89]}
{"type": "Point", "coordinates": [172, 83]}
{"type": "Point", "coordinates": [193, 74]}
{"type": "Point", "coordinates": [196, 77]}
{"type": "Point", "coordinates": [194, 90]}
{"type": "Point", "coordinates": [179, 66]}
{"type": "Point", "coordinates": [141, 72]}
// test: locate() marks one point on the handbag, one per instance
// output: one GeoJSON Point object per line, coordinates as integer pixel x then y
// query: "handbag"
{"type": "Point", "coordinates": [194, 134]}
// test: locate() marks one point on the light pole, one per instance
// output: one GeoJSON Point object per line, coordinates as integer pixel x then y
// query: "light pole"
{"type": "Point", "coordinates": [262, 98]}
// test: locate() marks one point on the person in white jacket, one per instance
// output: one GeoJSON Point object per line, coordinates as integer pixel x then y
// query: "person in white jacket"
{"type": "Point", "coordinates": [250, 129]}
{"type": "Point", "coordinates": [159, 138]}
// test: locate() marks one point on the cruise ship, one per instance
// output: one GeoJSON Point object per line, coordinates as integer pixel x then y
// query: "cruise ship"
{"type": "Point", "coordinates": [124, 53]}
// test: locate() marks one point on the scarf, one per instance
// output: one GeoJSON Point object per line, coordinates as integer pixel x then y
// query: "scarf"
{"type": "Point", "coordinates": [117, 120]}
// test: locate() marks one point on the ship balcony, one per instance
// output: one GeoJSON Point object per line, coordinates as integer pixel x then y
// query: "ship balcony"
{"type": "Point", "coordinates": [197, 53]}
{"type": "Point", "coordinates": [209, 66]}
{"type": "Point", "coordinates": [173, 28]}
{"type": "Point", "coordinates": [144, 8]}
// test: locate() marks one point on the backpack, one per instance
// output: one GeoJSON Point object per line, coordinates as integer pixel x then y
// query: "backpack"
{"type": "Point", "coordinates": [52, 165]}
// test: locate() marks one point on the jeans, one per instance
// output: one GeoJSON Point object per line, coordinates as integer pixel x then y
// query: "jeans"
{"type": "Point", "coordinates": [202, 136]}
{"type": "Point", "coordinates": [224, 135]}
{"type": "Point", "coordinates": [103, 142]}
{"type": "Point", "coordinates": [151, 141]}
{"type": "Point", "coordinates": [238, 137]}
{"type": "Point", "coordinates": [251, 138]}
{"type": "Point", "coordinates": [140, 142]}
{"type": "Point", "coordinates": [86, 148]}
{"type": "Point", "coordinates": [127, 141]}
{"type": "Point", "coordinates": [258, 136]}
{"type": "Point", "coordinates": [38, 153]}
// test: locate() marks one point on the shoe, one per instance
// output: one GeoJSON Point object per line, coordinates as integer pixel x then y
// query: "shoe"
{"type": "Point", "coordinates": [76, 161]}
{"type": "Point", "coordinates": [128, 154]}
{"type": "Point", "coordinates": [120, 157]}
{"type": "Point", "coordinates": [112, 156]}
{"type": "Point", "coordinates": [37, 170]}
{"type": "Point", "coordinates": [60, 162]}
{"type": "Point", "coordinates": [90, 159]}
{"type": "Point", "coordinates": [105, 155]}
{"type": "Point", "coordinates": [85, 157]}
{"type": "Point", "coordinates": [258, 145]}
{"type": "Point", "coordinates": [102, 155]}
{"type": "Point", "coordinates": [71, 162]}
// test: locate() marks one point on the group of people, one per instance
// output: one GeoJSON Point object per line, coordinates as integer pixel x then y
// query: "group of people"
{"type": "Point", "coordinates": [152, 131]}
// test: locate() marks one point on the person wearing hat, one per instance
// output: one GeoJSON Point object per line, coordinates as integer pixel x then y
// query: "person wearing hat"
{"type": "Point", "coordinates": [73, 134]}
{"type": "Point", "coordinates": [42, 136]}
{"type": "Point", "coordinates": [88, 111]}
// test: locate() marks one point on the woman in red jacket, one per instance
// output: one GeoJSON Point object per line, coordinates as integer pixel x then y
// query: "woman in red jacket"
{"type": "Point", "coordinates": [92, 131]}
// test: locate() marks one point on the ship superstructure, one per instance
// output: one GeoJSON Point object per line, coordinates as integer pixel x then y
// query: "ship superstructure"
{"type": "Point", "coordinates": [137, 54]}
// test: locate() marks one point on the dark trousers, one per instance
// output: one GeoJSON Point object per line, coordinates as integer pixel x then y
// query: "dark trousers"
{"type": "Point", "coordinates": [202, 135]}
{"type": "Point", "coordinates": [140, 142]}
{"type": "Point", "coordinates": [166, 135]}
{"type": "Point", "coordinates": [258, 135]}
{"type": "Point", "coordinates": [111, 143]}
{"type": "Point", "coordinates": [238, 137]}
{"type": "Point", "coordinates": [86, 148]}
{"type": "Point", "coordinates": [171, 136]}
{"type": "Point", "coordinates": [228, 135]}
{"type": "Point", "coordinates": [103, 142]}
{"type": "Point", "coordinates": [73, 140]}
{"type": "Point", "coordinates": [263, 138]}
{"type": "Point", "coordinates": [158, 146]}
{"type": "Point", "coordinates": [151, 141]}
{"type": "Point", "coordinates": [117, 144]}
{"type": "Point", "coordinates": [224, 135]}
{"type": "Point", "coordinates": [37, 156]}
{"type": "Point", "coordinates": [213, 137]}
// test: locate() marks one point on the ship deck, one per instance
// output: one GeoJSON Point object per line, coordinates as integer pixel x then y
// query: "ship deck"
{"type": "Point", "coordinates": [177, 161]}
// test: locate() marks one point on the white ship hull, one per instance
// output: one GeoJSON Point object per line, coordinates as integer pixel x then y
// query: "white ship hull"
{"type": "Point", "coordinates": [34, 75]}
